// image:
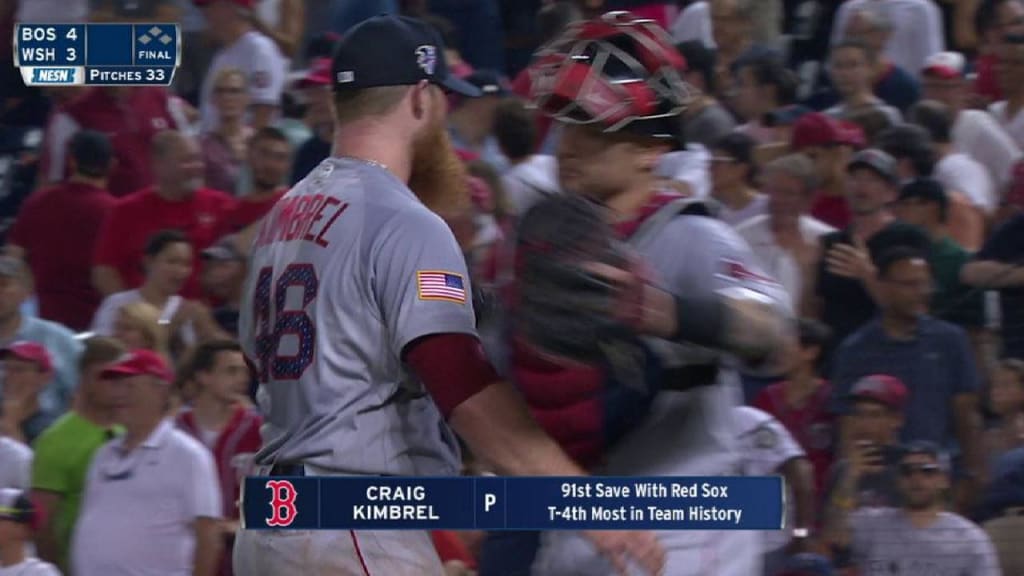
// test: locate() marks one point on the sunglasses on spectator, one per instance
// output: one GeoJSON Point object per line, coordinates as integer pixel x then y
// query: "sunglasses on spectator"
{"type": "Point", "coordinates": [908, 470]}
{"type": "Point", "coordinates": [229, 89]}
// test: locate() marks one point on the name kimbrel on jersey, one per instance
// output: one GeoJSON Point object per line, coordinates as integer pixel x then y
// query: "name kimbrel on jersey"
{"type": "Point", "coordinates": [308, 218]}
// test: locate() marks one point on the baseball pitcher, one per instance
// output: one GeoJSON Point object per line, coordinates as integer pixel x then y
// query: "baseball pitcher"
{"type": "Point", "coordinates": [358, 319]}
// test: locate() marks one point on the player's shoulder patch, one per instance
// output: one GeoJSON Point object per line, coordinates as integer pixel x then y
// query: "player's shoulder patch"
{"type": "Point", "coordinates": [441, 285]}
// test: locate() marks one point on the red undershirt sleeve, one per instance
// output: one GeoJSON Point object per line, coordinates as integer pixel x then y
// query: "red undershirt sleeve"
{"type": "Point", "coordinates": [453, 368]}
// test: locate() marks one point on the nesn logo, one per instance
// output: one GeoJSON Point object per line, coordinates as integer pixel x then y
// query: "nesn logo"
{"type": "Point", "coordinates": [53, 75]}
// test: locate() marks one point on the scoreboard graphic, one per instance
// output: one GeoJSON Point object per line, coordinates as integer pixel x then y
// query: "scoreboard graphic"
{"type": "Point", "coordinates": [97, 54]}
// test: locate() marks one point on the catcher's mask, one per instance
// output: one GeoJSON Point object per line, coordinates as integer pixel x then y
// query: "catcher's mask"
{"type": "Point", "coordinates": [618, 72]}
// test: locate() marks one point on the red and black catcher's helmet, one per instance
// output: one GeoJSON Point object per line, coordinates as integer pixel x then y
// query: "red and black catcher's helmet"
{"type": "Point", "coordinates": [618, 72]}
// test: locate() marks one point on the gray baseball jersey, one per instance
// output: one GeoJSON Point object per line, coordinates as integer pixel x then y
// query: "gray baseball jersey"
{"type": "Point", "coordinates": [346, 270]}
{"type": "Point", "coordinates": [688, 433]}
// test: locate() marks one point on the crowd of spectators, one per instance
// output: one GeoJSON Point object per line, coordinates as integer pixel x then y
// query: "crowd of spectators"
{"type": "Point", "coordinates": [870, 152]}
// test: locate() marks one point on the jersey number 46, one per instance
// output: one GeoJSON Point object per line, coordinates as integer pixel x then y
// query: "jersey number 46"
{"type": "Point", "coordinates": [274, 323]}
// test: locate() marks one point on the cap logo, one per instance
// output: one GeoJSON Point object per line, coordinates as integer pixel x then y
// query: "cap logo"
{"type": "Point", "coordinates": [426, 58]}
{"type": "Point", "coordinates": [346, 77]}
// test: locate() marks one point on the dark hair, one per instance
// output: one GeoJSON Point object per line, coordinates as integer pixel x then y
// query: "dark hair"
{"type": "Point", "coordinates": [930, 190]}
{"type": "Point", "coordinates": [554, 18]}
{"type": "Point", "coordinates": [935, 117]}
{"type": "Point", "coordinates": [898, 234]}
{"type": "Point", "coordinates": [99, 350]}
{"type": "Point", "coordinates": [869, 53]}
{"type": "Point", "coordinates": [985, 15]}
{"type": "Point", "coordinates": [768, 69]}
{"type": "Point", "coordinates": [92, 152]}
{"type": "Point", "coordinates": [159, 241]}
{"type": "Point", "coordinates": [515, 129]}
{"type": "Point", "coordinates": [701, 59]}
{"type": "Point", "coordinates": [812, 332]}
{"type": "Point", "coordinates": [271, 133]}
{"type": "Point", "coordinates": [910, 142]}
{"type": "Point", "coordinates": [872, 120]}
{"type": "Point", "coordinates": [204, 357]}
{"type": "Point", "coordinates": [740, 147]}
{"type": "Point", "coordinates": [892, 256]}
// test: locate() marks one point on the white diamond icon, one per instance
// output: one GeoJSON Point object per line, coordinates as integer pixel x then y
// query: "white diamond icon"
{"type": "Point", "coordinates": [154, 31]}
{"type": "Point", "coordinates": [165, 39]}
{"type": "Point", "coordinates": [145, 39]}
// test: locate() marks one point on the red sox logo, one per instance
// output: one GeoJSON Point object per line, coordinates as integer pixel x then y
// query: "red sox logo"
{"type": "Point", "coordinates": [282, 503]}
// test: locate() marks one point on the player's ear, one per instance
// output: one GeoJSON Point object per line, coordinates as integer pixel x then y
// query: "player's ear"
{"type": "Point", "coordinates": [420, 99]}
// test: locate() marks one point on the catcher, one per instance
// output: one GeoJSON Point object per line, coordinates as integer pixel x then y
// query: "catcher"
{"type": "Point", "coordinates": [620, 403]}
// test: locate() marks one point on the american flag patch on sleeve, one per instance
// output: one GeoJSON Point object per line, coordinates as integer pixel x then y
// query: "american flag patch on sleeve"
{"type": "Point", "coordinates": [437, 285]}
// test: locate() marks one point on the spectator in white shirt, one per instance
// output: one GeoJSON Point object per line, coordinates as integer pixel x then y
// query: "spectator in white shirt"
{"type": "Point", "coordinates": [917, 29]}
{"type": "Point", "coordinates": [733, 170]}
{"type": "Point", "coordinates": [16, 471]}
{"type": "Point", "coordinates": [245, 48]}
{"type": "Point", "coordinates": [1008, 112]}
{"type": "Point", "coordinates": [786, 240]}
{"type": "Point", "coordinates": [17, 516]}
{"type": "Point", "coordinates": [768, 449]}
{"type": "Point", "coordinates": [975, 132]}
{"type": "Point", "coordinates": [851, 67]}
{"type": "Point", "coordinates": [152, 501]}
{"type": "Point", "coordinates": [955, 170]}
{"type": "Point", "coordinates": [168, 264]}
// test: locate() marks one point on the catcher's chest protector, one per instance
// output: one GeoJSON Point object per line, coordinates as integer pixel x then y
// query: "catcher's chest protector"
{"type": "Point", "coordinates": [587, 406]}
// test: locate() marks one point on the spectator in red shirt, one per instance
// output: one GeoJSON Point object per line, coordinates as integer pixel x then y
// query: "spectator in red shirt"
{"type": "Point", "coordinates": [178, 201]}
{"type": "Point", "coordinates": [220, 419]}
{"type": "Point", "coordinates": [56, 233]}
{"type": "Point", "coordinates": [801, 401]}
{"type": "Point", "coordinates": [270, 161]}
{"type": "Point", "coordinates": [131, 116]}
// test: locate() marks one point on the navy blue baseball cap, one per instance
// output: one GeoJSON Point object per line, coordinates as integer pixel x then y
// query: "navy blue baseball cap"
{"type": "Point", "coordinates": [393, 51]}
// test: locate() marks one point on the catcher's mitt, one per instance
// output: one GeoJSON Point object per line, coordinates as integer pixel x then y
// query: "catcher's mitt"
{"type": "Point", "coordinates": [563, 310]}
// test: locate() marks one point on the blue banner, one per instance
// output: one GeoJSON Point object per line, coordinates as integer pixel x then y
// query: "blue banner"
{"type": "Point", "coordinates": [492, 503]}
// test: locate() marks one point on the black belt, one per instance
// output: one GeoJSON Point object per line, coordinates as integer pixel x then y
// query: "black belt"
{"type": "Point", "coordinates": [689, 377]}
{"type": "Point", "coordinates": [288, 470]}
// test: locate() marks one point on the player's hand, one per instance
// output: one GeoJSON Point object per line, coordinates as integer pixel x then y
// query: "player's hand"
{"type": "Point", "coordinates": [621, 547]}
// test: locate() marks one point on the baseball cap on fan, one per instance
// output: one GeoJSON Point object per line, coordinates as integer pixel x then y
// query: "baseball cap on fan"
{"type": "Point", "coordinates": [944, 66]}
{"type": "Point", "coordinates": [139, 363]}
{"type": "Point", "coordinates": [393, 51]}
{"type": "Point", "coordinates": [886, 390]}
{"type": "Point", "coordinates": [15, 506]}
